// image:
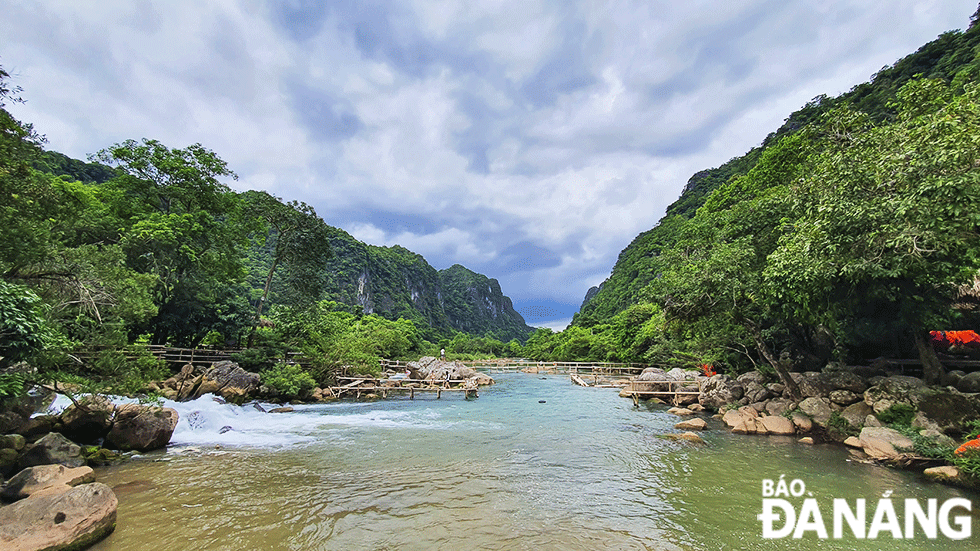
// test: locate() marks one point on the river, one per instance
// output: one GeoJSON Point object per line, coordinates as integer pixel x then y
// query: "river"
{"type": "Point", "coordinates": [533, 463]}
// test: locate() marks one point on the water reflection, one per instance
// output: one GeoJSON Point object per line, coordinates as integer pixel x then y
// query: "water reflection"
{"type": "Point", "coordinates": [586, 470]}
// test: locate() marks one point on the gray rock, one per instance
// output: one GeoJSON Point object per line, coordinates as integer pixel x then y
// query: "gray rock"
{"type": "Point", "coordinates": [846, 380]}
{"type": "Point", "coordinates": [52, 449]}
{"type": "Point", "coordinates": [36, 427]}
{"type": "Point", "coordinates": [11, 421]}
{"type": "Point", "coordinates": [12, 441]}
{"type": "Point", "coordinates": [755, 392]}
{"type": "Point", "coordinates": [970, 383]}
{"type": "Point", "coordinates": [142, 428]}
{"type": "Point", "coordinates": [945, 410]}
{"type": "Point", "coordinates": [678, 374]}
{"type": "Point", "coordinates": [720, 390]}
{"type": "Point", "coordinates": [74, 519]}
{"type": "Point", "coordinates": [856, 414]}
{"type": "Point", "coordinates": [227, 379]}
{"type": "Point", "coordinates": [818, 409]}
{"type": "Point", "coordinates": [89, 419]}
{"type": "Point", "coordinates": [779, 406]}
{"type": "Point", "coordinates": [952, 378]}
{"type": "Point", "coordinates": [814, 385]}
{"type": "Point", "coordinates": [751, 377]}
{"type": "Point", "coordinates": [652, 374]}
{"type": "Point", "coordinates": [844, 397]}
{"type": "Point", "coordinates": [8, 461]}
{"type": "Point", "coordinates": [893, 390]}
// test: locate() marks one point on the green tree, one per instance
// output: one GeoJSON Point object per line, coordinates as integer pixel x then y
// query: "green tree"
{"type": "Point", "coordinates": [184, 227]}
{"type": "Point", "coordinates": [889, 216]}
{"type": "Point", "coordinates": [295, 237]}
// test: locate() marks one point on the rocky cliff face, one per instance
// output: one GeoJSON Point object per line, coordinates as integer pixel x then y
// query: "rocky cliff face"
{"type": "Point", "coordinates": [474, 303]}
{"type": "Point", "coordinates": [394, 282]}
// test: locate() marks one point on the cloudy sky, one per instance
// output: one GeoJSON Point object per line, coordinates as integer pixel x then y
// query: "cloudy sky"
{"type": "Point", "coordinates": [528, 140]}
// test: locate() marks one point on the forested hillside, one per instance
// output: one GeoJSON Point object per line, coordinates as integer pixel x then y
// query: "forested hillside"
{"type": "Point", "coordinates": [147, 244]}
{"type": "Point", "coordinates": [846, 235]}
{"type": "Point", "coordinates": [952, 58]}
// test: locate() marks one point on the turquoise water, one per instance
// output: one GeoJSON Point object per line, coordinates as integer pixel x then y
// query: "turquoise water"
{"type": "Point", "coordinates": [583, 470]}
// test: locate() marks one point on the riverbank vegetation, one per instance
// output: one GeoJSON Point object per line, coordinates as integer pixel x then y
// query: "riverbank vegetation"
{"type": "Point", "coordinates": [148, 245]}
{"type": "Point", "coordinates": [847, 235]}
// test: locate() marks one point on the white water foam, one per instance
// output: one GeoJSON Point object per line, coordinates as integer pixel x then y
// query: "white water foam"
{"type": "Point", "coordinates": [209, 421]}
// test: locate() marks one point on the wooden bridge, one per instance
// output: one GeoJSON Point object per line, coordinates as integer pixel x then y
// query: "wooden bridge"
{"type": "Point", "coordinates": [670, 391]}
{"type": "Point", "coordinates": [371, 386]}
{"type": "Point", "coordinates": [504, 365]}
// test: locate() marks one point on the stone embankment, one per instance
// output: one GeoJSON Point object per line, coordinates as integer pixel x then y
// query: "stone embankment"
{"type": "Point", "coordinates": [852, 407]}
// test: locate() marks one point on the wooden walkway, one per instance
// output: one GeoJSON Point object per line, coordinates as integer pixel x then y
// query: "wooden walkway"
{"type": "Point", "coordinates": [644, 390]}
{"type": "Point", "coordinates": [368, 386]}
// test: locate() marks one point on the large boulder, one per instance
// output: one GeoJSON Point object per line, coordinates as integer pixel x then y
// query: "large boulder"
{"type": "Point", "coordinates": [856, 414]}
{"type": "Point", "coordinates": [719, 391]}
{"type": "Point", "coordinates": [437, 371]}
{"type": "Point", "coordinates": [813, 385]}
{"type": "Point", "coordinates": [74, 519]}
{"type": "Point", "coordinates": [843, 397]}
{"type": "Point", "coordinates": [780, 406]}
{"type": "Point", "coordinates": [885, 444]}
{"type": "Point", "coordinates": [969, 383]}
{"type": "Point", "coordinates": [88, 419]}
{"type": "Point", "coordinates": [142, 428]}
{"type": "Point", "coordinates": [893, 390]}
{"type": "Point", "coordinates": [652, 374]}
{"type": "Point", "coordinates": [948, 411]}
{"type": "Point", "coordinates": [45, 479]}
{"type": "Point", "coordinates": [227, 379]}
{"type": "Point", "coordinates": [845, 380]}
{"type": "Point", "coordinates": [742, 420]}
{"type": "Point", "coordinates": [818, 409]}
{"type": "Point", "coordinates": [52, 449]}
{"type": "Point", "coordinates": [755, 392]}
{"type": "Point", "coordinates": [11, 421]}
{"type": "Point", "coordinates": [777, 424]}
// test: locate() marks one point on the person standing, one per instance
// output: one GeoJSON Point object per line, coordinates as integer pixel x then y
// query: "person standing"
{"type": "Point", "coordinates": [442, 354]}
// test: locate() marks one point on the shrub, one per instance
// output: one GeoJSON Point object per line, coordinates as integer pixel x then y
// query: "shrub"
{"type": "Point", "coordinates": [898, 414]}
{"type": "Point", "coordinates": [839, 428]}
{"type": "Point", "coordinates": [288, 380]}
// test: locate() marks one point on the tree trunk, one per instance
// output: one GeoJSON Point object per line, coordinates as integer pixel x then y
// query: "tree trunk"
{"type": "Point", "coordinates": [265, 293]}
{"type": "Point", "coordinates": [932, 370]}
{"type": "Point", "coordinates": [784, 376]}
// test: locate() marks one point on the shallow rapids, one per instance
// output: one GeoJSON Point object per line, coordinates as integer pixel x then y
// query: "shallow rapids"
{"type": "Point", "coordinates": [583, 470]}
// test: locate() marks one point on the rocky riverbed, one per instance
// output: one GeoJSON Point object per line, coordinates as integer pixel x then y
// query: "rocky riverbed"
{"type": "Point", "coordinates": [850, 406]}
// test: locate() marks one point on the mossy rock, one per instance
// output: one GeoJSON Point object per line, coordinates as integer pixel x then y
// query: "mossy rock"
{"type": "Point", "coordinates": [100, 457]}
{"type": "Point", "coordinates": [952, 412]}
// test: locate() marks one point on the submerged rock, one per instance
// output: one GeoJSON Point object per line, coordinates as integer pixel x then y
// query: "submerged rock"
{"type": "Point", "coordinates": [692, 424]}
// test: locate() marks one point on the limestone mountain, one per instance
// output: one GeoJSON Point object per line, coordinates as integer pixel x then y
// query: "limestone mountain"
{"type": "Point", "coordinates": [395, 282]}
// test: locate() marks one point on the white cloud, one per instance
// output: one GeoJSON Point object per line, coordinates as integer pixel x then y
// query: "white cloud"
{"type": "Point", "coordinates": [461, 131]}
